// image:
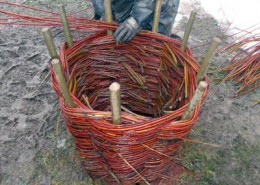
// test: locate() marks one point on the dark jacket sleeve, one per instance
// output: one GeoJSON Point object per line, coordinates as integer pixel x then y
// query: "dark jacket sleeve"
{"type": "Point", "coordinates": [168, 15]}
{"type": "Point", "coordinates": [145, 14]}
{"type": "Point", "coordinates": [142, 11]}
{"type": "Point", "coordinates": [99, 8]}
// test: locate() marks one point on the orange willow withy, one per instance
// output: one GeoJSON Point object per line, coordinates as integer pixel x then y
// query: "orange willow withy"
{"type": "Point", "coordinates": [150, 70]}
{"type": "Point", "coordinates": [244, 67]}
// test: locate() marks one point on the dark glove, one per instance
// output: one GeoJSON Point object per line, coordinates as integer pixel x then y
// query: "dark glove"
{"type": "Point", "coordinates": [127, 30]}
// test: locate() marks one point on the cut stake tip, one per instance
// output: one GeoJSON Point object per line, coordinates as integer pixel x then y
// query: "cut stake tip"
{"type": "Point", "coordinates": [46, 29]}
{"type": "Point", "coordinates": [203, 85]}
{"type": "Point", "coordinates": [55, 61]}
{"type": "Point", "coordinates": [115, 86]}
{"type": "Point", "coordinates": [216, 39]}
{"type": "Point", "coordinates": [193, 13]}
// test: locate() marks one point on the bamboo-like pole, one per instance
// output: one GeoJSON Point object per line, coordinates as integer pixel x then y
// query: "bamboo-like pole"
{"type": "Point", "coordinates": [157, 13]}
{"type": "Point", "coordinates": [62, 82]}
{"type": "Point", "coordinates": [49, 43]}
{"type": "Point", "coordinates": [195, 99]}
{"type": "Point", "coordinates": [65, 24]}
{"type": "Point", "coordinates": [208, 58]}
{"type": "Point", "coordinates": [188, 30]}
{"type": "Point", "coordinates": [108, 13]}
{"type": "Point", "coordinates": [115, 101]}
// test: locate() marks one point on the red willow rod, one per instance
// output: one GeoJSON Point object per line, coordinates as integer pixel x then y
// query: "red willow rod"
{"type": "Point", "coordinates": [244, 67]}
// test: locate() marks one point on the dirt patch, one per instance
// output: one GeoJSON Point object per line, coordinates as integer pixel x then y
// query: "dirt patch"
{"type": "Point", "coordinates": [36, 148]}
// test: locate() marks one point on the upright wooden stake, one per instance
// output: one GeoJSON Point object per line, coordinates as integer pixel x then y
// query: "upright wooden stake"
{"type": "Point", "coordinates": [157, 13]}
{"type": "Point", "coordinates": [62, 82]}
{"type": "Point", "coordinates": [108, 13]}
{"type": "Point", "coordinates": [183, 47]}
{"type": "Point", "coordinates": [195, 99]}
{"type": "Point", "coordinates": [115, 101]}
{"type": "Point", "coordinates": [49, 43]}
{"type": "Point", "coordinates": [188, 30]}
{"type": "Point", "coordinates": [208, 58]}
{"type": "Point", "coordinates": [65, 24]}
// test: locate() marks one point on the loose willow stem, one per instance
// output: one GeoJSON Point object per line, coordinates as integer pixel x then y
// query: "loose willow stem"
{"type": "Point", "coordinates": [257, 102]}
{"type": "Point", "coordinates": [208, 58]}
{"type": "Point", "coordinates": [65, 24]}
{"type": "Point", "coordinates": [115, 101]}
{"type": "Point", "coordinates": [186, 79]}
{"type": "Point", "coordinates": [195, 100]}
{"type": "Point", "coordinates": [108, 13]}
{"type": "Point", "coordinates": [62, 82]}
{"type": "Point", "coordinates": [49, 43]}
{"type": "Point", "coordinates": [157, 14]}
{"type": "Point", "coordinates": [188, 30]}
{"type": "Point", "coordinates": [133, 169]}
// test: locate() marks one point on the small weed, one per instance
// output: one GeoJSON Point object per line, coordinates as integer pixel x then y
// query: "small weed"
{"type": "Point", "coordinates": [62, 166]}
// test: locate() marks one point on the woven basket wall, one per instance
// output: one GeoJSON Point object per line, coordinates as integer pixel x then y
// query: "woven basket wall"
{"type": "Point", "coordinates": [157, 82]}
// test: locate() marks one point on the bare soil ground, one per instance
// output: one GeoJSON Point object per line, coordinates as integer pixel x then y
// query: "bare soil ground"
{"type": "Point", "coordinates": [36, 148]}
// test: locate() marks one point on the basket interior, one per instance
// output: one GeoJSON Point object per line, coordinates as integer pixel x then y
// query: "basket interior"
{"type": "Point", "coordinates": [151, 75]}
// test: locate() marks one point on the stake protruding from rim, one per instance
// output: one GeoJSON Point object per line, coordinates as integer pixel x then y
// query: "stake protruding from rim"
{"type": "Point", "coordinates": [115, 101]}
{"type": "Point", "coordinates": [208, 58]}
{"type": "Point", "coordinates": [65, 24]}
{"type": "Point", "coordinates": [188, 31]}
{"type": "Point", "coordinates": [62, 82]}
{"type": "Point", "coordinates": [183, 47]}
{"type": "Point", "coordinates": [108, 14]}
{"type": "Point", "coordinates": [157, 13]}
{"type": "Point", "coordinates": [195, 99]}
{"type": "Point", "coordinates": [49, 43]}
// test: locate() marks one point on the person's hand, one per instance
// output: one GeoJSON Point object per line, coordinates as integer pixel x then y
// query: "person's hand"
{"type": "Point", "coordinates": [127, 30]}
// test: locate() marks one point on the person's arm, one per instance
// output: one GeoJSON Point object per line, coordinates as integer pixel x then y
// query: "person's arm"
{"type": "Point", "coordinates": [167, 17]}
{"type": "Point", "coordinates": [143, 11]}
{"type": "Point", "coordinates": [99, 8]}
{"type": "Point", "coordinates": [140, 15]}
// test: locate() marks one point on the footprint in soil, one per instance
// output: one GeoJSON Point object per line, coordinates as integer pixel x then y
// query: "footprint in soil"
{"type": "Point", "coordinates": [28, 107]}
{"type": "Point", "coordinates": [8, 54]}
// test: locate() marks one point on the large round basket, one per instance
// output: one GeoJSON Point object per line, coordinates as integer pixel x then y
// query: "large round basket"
{"type": "Point", "coordinates": [157, 81]}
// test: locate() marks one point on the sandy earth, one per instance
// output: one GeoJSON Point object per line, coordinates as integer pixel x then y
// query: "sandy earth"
{"type": "Point", "coordinates": [36, 149]}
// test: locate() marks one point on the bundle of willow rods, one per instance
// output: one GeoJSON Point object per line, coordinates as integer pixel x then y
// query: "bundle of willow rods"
{"type": "Point", "coordinates": [155, 91]}
{"type": "Point", "coordinates": [244, 67]}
